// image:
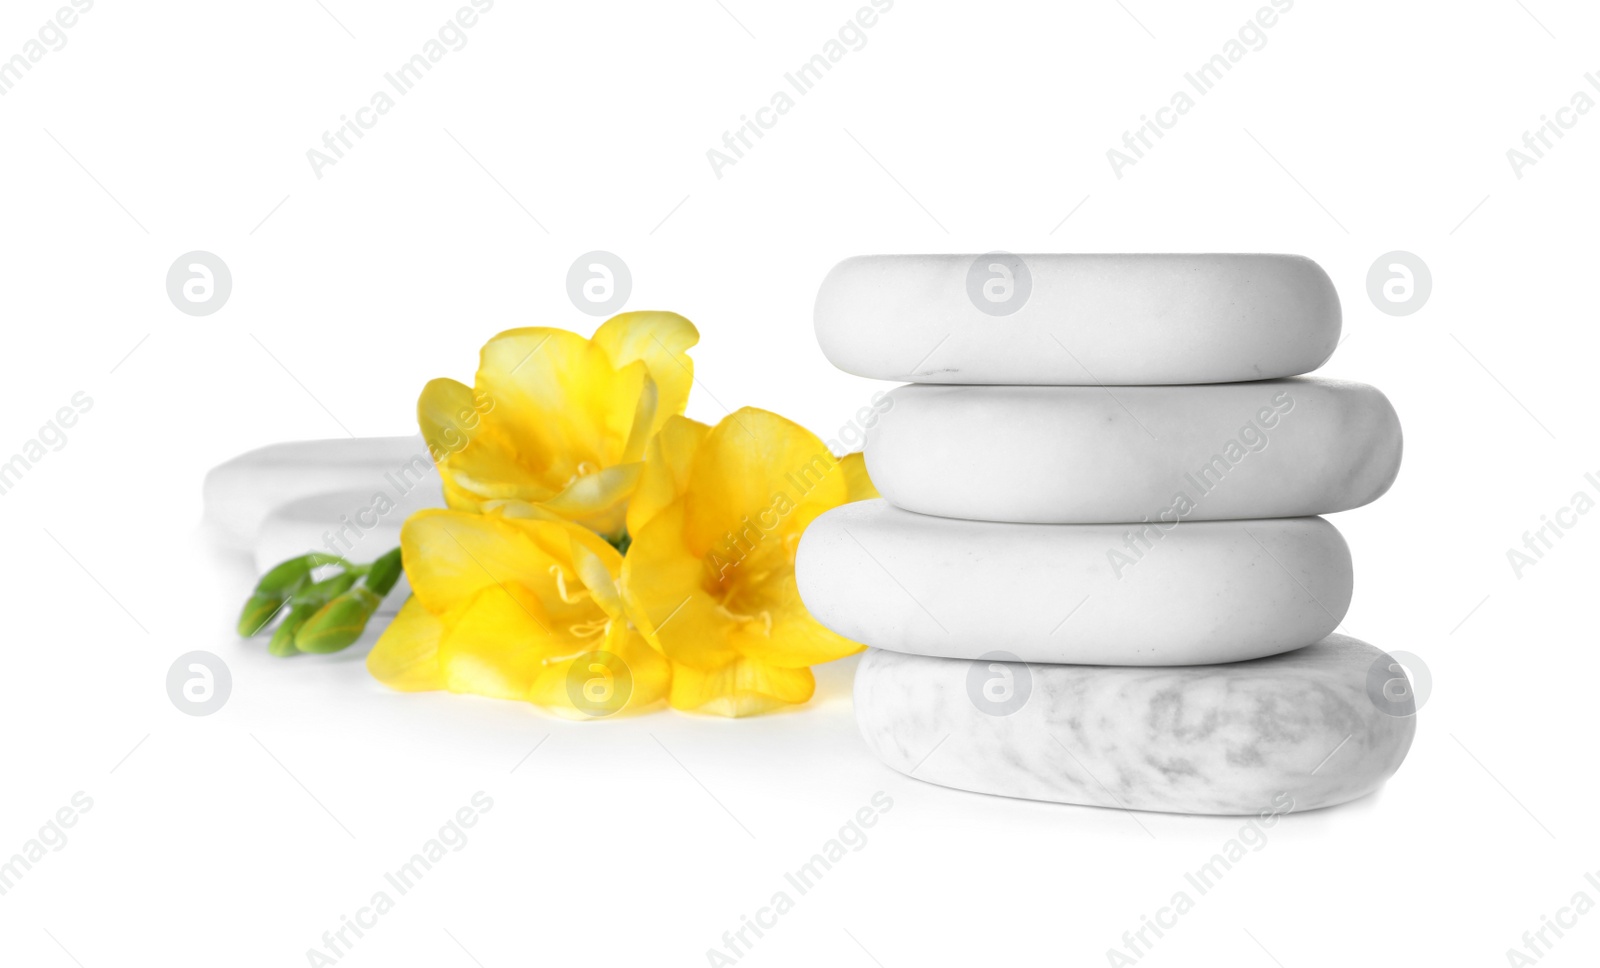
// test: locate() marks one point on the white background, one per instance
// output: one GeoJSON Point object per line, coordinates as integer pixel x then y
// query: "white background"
{"type": "Point", "coordinates": [239, 838]}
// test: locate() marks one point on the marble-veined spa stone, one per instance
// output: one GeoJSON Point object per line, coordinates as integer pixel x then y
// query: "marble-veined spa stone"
{"type": "Point", "coordinates": [1077, 320]}
{"type": "Point", "coordinates": [1295, 731]}
{"type": "Point", "coordinates": [1090, 455]}
{"type": "Point", "coordinates": [1114, 594]}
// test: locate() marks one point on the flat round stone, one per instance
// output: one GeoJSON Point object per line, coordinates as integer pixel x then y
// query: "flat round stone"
{"type": "Point", "coordinates": [1091, 455]}
{"type": "Point", "coordinates": [240, 493]}
{"type": "Point", "coordinates": [1295, 731]}
{"type": "Point", "coordinates": [1114, 594]}
{"type": "Point", "coordinates": [1077, 320]}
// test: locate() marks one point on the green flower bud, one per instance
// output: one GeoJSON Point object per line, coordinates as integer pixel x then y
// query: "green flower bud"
{"type": "Point", "coordinates": [259, 611]}
{"type": "Point", "coordinates": [272, 590]}
{"type": "Point", "coordinates": [339, 623]}
{"type": "Point", "coordinates": [282, 583]}
{"type": "Point", "coordinates": [322, 592]}
{"type": "Point", "coordinates": [283, 578]}
{"type": "Point", "coordinates": [282, 643]}
{"type": "Point", "coordinates": [383, 573]}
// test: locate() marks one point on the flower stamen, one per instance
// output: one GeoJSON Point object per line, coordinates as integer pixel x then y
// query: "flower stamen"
{"type": "Point", "coordinates": [764, 617]}
{"type": "Point", "coordinates": [584, 630]}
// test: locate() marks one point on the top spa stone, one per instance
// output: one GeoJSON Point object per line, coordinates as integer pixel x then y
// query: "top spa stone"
{"type": "Point", "coordinates": [1077, 320]}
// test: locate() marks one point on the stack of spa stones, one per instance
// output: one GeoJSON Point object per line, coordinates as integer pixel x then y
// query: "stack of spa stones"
{"type": "Point", "coordinates": [1097, 574]}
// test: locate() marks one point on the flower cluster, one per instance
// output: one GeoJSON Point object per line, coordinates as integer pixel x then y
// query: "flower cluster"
{"type": "Point", "coordinates": [603, 553]}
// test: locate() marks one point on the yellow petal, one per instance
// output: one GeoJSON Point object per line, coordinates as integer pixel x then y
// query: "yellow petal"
{"type": "Point", "coordinates": [560, 398]}
{"type": "Point", "coordinates": [599, 501]}
{"type": "Point", "coordinates": [858, 486]}
{"type": "Point", "coordinates": [474, 462]}
{"type": "Point", "coordinates": [660, 340]}
{"type": "Point", "coordinates": [666, 470]}
{"type": "Point", "coordinates": [666, 590]}
{"type": "Point", "coordinates": [444, 411]}
{"type": "Point", "coordinates": [406, 654]}
{"type": "Point", "coordinates": [776, 627]}
{"type": "Point", "coordinates": [743, 687]}
{"type": "Point", "coordinates": [644, 422]}
{"type": "Point", "coordinates": [600, 573]}
{"type": "Point", "coordinates": [557, 419]}
{"type": "Point", "coordinates": [495, 646]}
{"type": "Point", "coordinates": [622, 675]}
{"type": "Point", "coordinates": [597, 562]}
{"type": "Point", "coordinates": [452, 556]}
{"type": "Point", "coordinates": [761, 479]}
{"type": "Point", "coordinates": [721, 587]}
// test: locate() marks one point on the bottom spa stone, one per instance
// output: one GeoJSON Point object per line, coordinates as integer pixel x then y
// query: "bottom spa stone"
{"type": "Point", "coordinates": [1297, 731]}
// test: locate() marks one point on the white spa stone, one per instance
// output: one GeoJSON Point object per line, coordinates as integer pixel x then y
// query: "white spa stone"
{"type": "Point", "coordinates": [1295, 731]}
{"type": "Point", "coordinates": [1090, 455]}
{"type": "Point", "coordinates": [240, 493]}
{"type": "Point", "coordinates": [1083, 320]}
{"type": "Point", "coordinates": [359, 525]}
{"type": "Point", "coordinates": [1200, 592]}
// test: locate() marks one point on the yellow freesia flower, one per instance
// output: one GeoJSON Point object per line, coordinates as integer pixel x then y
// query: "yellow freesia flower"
{"type": "Point", "coordinates": [709, 577]}
{"type": "Point", "coordinates": [517, 603]}
{"type": "Point", "coordinates": [560, 421]}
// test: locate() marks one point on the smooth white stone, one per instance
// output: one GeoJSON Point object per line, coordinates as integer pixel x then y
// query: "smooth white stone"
{"type": "Point", "coordinates": [240, 493]}
{"type": "Point", "coordinates": [1230, 739]}
{"type": "Point", "coordinates": [1088, 320]}
{"type": "Point", "coordinates": [1204, 591]}
{"type": "Point", "coordinates": [347, 523]}
{"type": "Point", "coordinates": [1089, 455]}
